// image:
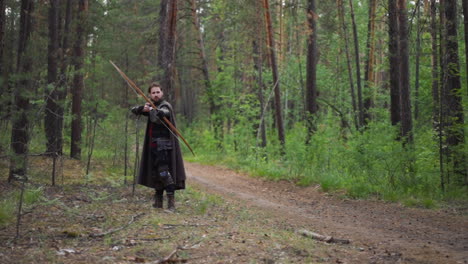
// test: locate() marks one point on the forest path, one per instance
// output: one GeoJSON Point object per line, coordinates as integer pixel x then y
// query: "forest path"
{"type": "Point", "coordinates": [383, 232]}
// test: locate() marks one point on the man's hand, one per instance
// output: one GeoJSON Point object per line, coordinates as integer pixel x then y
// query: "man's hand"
{"type": "Point", "coordinates": [160, 113]}
{"type": "Point", "coordinates": [147, 108]}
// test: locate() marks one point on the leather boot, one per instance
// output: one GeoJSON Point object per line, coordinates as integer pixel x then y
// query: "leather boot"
{"type": "Point", "coordinates": [158, 200]}
{"type": "Point", "coordinates": [171, 201]}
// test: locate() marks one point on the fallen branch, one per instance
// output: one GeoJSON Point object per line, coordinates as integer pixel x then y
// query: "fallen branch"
{"type": "Point", "coordinates": [117, 229]}
{"type": "Point", "coordinates": [170, 226]}
{"type": "Point", "coordinates": [166, 259]}
{"type": "Point", "coordinates": [328, 239]}
{"type": "Point", "coordinates": [151, 239]}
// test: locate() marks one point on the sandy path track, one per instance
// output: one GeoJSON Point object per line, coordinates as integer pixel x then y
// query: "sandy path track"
{"type": "Point", "coordinates": [383, 232]}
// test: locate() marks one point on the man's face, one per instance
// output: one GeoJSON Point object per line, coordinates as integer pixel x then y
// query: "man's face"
{"type": "Point", "coordinates": [156, 94]}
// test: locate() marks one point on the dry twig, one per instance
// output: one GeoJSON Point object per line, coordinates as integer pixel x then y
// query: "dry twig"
{"type": "Point", "coordinates": [166, 259]}
{"type": "Point", "coordinates": [328, 239]}
{"type": "Point", "coordinates": [117, 229]}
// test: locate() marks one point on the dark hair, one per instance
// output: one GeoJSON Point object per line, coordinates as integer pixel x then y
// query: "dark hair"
{"type": "Point", "coordinates": [155, 84]}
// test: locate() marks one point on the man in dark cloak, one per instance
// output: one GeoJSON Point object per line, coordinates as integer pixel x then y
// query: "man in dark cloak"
{"type": "Point", "coordinates": [161, 167]}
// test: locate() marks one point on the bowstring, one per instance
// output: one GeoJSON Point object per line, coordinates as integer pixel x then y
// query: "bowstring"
{"type": "Point", "coordinates": [162, 121]}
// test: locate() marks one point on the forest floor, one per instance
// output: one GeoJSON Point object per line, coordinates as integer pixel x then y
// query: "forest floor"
{"type": "Point", "coordinates": [222, 217]}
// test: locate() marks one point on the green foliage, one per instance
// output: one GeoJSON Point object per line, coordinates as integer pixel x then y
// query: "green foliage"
{"type": "Point", "coordinates": [32, 196]}
{"type": "Point", "coordinates": [7, 211]}
{"type": "Point", "coordinates": [370, 163]}
{"type": "Point", "coordinates": [201, 201]}
{"type": "Point", "coordinates": [9, 203]}
{"type": "Point", "coordinates": [367, 164]}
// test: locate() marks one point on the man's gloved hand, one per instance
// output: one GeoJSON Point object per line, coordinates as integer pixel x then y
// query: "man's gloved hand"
{"type": "Point", "coordinates": [136, 109]}
{"type": "Point", "coordinates": [160, 113]}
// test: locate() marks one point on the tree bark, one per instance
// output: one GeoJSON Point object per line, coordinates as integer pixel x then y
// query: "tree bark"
{"type": "Point", "coordinates": [418, 55]}
{"type": "Point", "coordinates": [78, 80]}
{"type": "Point", "coordinates": [8, 69]}
{"type": "Point", "coordinates": [51, 93]}
{"type": "Point", "coordinates": [436, 115]}
{"type": "Point", "coordinates": [2, 63]}
{"type": "Point", "coordinates": [405, 97]}
{"type": "Point", "coordinates": [358, 66]}
{"type": "Point", "coordinates": [127, 117]}
{"type": "Point", "coordinates": [311, 79]}
{"type": "Point", "coordinates": [63, 61]}
{"type": "Point", "coordinates": [455, 138]}
{"type": "Point", "coordinates": [370, 62]}
{"type": "Point", "coordinates": [274, 68]}
{"type": "Point", "coordinates": [442, 37]}
{"type": "Point", "coordinates": [166, 48]}
{"type": "Point", "coordinates": [393, 49]}
{"type": "Point", "coordinates": [212, 96]}
{"type": "Point", "coordinates": [348, 62]}
{"type": "Point", "coordinates": [258, 67]}
{"type": "Point", "coordinates": [435, 66]}
{"type": "Point", "coordinates": [2, 42]}
{"type": "Point", "coordinates": [298, 48]}
{"type": "Point", "coordinates": [20, 126]}
{"type": "Point", "coordinates": [465, 23]}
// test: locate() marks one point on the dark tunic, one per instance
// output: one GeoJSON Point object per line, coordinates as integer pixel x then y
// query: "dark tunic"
{"type": "Point", "coordinates": [177, 170]}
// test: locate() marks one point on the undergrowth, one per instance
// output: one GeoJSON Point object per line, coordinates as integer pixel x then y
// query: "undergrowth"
{"type": "Point", "coordinates": [370, 164]}
{"type": "Point", "coordinates": [9, 201]}
{"type": "Point", "coordinates": [367, 165]}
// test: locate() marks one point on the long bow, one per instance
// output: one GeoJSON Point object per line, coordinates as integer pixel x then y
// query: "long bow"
{"type": "Point", "coordinates": [138, 91]}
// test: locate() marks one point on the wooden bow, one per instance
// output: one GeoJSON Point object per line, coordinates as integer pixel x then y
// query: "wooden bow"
{"type": "Point", "coordinates": [138, 91]}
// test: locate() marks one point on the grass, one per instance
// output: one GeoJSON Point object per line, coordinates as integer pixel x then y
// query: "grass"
{"type": "Point", "coordinates": [7, 212]}
{"type": "Point", "coordinates": [219, 230]}
{"type": "Point", "coordinates": [9, 203]}
{"type": "Point", "coordinates": [371, 164]}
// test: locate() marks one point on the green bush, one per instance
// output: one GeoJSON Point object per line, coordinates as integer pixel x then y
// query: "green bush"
{"type": "Point", "coordinates": [371, 163]}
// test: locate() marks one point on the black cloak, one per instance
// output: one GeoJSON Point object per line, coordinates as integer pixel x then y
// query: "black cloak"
{"type": "Point", "coordinates": [177, 169]}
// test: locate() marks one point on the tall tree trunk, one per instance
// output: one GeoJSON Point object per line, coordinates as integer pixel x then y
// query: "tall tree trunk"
{"type": "Point", "coordinates": [370, 62]}
{"type": "Point", "coordinates": [166, 48]}
{"type": "Point", "coordinates": [274, 68]}
{"type": "Point", "coordinates": [435, 66]}
{"type": "Point", "coordinates": [405, 97]}
{"type": "Point", "coordinates": [61, 87]}
{"type": "Point", "coordinates": [455, 138]}
{"type": "Point", "coordinates": [78, 80]}
{"type": "Point", "coordinates": [2, 63]}
{"type": "Point", "coordinates": [201, 46]}
{"type": "Point", "coordinates": [127, 117]}
{"type": "Point", "coordinates": [394, 56]}
{"type": "Point", "coordinates": [280, 32]}
{"type": "Point", "coordinates": [348, 61]}
{"type": "Point", "coordinates": [217, 122]}
{"type": "Point", "coordinates": [442, 38]}
{"type": "Point", "coordinates": [442, 121]}
{"type": "Point", "coordinates": [258, 67]}
{"type": "Point", "coordinates": [465, 23]}
{"type": "Point", "coordinates": [436, 102]}
{"type": "Point", "coordinates": [20, 127]}
{"type": "Point", "coordinates": [9, 63]}
{"type": "Point", "coordinates": [311, 79]}
{"type": "Point", "coordinates": [298, 48]}
{"type": "Point", "coordinates": [418, 54]}
{"type": "Point", "coordinates": [2, 42]}
{"type": "Point", "coordinates": [51, 93]}
{"type": "Point", "coordinates": [358, 66]}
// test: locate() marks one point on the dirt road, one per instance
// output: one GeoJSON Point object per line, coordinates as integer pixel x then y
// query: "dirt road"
{"type": "Point", "coordinates": [383, 232]}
